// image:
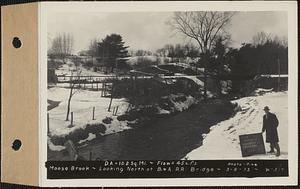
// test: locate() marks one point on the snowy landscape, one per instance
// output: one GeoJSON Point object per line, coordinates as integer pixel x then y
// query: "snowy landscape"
{"type": "Point", "coordinates": [177, 94]}
{"type": "Point", "coordinates": [248, 120]}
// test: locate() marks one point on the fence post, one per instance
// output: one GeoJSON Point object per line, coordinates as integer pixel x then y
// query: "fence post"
{"type": "Point", "coordinates": [94, 113]}
{"type": "Point", "coordinates": [91, 153]}
{"type": "Point", "coordinates": [48, 130]}
{"type": "Point", "coordinates": [72, 118]}
{"type": "Point", "coordinates": [116, 110]}
{"type": "Point", "coordinates": [111, 97]}
{"type": "Point", "coordinates": [104, 89]}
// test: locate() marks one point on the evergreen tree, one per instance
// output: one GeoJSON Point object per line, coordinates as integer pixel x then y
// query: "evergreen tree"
{"type": "Point", "coordinates": [112, 51]}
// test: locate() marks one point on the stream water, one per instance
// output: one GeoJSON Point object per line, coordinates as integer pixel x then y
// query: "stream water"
{"type": "Point", "coordinates": [168, 139]}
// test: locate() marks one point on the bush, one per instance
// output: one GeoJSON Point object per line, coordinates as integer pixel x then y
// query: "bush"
{"type": "Point", "coordinates": [107, 120]}
{"type": "Point", "coordinates": [166, 104]}
{"type": "Point", "coordinates": [143, 62]}
{"type": "Point", "coordinates": [126, 117]}
{"type": "Point", "coordinates": [89, 64]}
{"type": "Point", "coordinates": [79, 134]}
{"type": "Point", "coordinates": [180, 98]}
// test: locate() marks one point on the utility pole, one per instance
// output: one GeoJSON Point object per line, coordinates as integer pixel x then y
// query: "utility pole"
{"type": "Point", "coordinates": [278, 65]}
{"type": "Point", "coordinates": [111, 97]}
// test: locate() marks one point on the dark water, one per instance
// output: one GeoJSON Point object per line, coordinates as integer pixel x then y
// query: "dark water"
{"type": "Point", "coordinates": [170, 138]}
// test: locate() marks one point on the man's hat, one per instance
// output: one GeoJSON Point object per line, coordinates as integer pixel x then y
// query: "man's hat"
{"type": "Point", "coordinates": [266, 108]}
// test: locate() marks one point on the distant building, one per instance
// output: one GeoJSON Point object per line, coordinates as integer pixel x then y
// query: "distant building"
{"type": "Point", "coordinates": [277, 82]}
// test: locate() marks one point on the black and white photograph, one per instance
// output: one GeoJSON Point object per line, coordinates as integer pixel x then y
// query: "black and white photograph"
{"type": "Point", "coordinates": [166, 85]}
{"type": "Point", "coordinates": [149, 93]}
{"type": "Point", "coordinates": [175, 85]}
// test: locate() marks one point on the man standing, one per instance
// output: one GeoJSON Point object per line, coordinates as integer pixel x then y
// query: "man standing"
{"type": "Point", "coordinates": [270, 124]}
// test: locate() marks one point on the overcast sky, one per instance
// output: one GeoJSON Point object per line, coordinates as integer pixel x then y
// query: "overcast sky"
{"type": "Point", "coordinates": [149, 31]}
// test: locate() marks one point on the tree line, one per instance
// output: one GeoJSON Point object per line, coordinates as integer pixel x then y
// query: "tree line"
{"type": "Point", "coordinates": [62, 46]}
{"type": "Point", "coordinates": [266, 54]}
{"type": "Point", "coordinates": [210, 47]}
{"type": "Point", "coordinates": [178, 51]}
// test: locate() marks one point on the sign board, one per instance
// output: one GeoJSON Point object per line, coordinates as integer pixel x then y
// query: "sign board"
{"type": "Point", "coordinates": [252, 144]}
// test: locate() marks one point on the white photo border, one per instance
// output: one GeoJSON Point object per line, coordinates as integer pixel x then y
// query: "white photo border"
{"type": "Point", "coordinates": [289, 6]}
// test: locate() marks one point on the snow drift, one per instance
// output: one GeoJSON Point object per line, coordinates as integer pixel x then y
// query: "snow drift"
{"type": "Point", "coordinates": [222, 142]}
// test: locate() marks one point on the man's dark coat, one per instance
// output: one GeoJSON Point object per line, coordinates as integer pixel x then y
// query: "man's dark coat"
{"type": "Point", "coordinates": [270, 124]}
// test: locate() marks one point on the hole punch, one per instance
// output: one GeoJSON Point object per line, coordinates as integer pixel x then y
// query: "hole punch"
{"type": "Point", "coordinates": [16, 144]}
{"type": "Point", "coordinates": [16, 42]}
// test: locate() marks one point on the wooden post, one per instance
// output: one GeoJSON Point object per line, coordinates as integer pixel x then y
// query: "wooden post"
{"type": "Point", "coordinates": [91, 153]}
{"type": "Point", "coordinates": [104, 91]}
{"type": "Point", "coordinates": [94, 113]}
{"type": "Point", "coordinates": [72, 118]}
{"type": "Point", "coordinates": [103, 88]}
{"type": "Point", "coordinates": [116, 110]}
{"type": "Point", "coordinates": [48, 130]}
{"type": "Point", "coordinates": [278, 86]}
{"type": "Point", "coordinates": [111, 97]}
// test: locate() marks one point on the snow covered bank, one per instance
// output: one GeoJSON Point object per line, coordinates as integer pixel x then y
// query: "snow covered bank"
{"type": "Point", "coordinates": [222, 142]}
{"type": "Point", "coordinates": [82, 105]}
{"type": "Point", "coordinates": [85, 128]}
{"type": "Point", "coordinates": [180, 105]}
{"type": "Point", "coordinates": [143, 114]}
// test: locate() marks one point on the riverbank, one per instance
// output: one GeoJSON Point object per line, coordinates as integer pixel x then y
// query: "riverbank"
{"type": "Point", "coordinates": [222, 142]}
{"type": "Point", "coordinates": [91, 118]}
{"type": "Point", "coordinates": [168, 138]}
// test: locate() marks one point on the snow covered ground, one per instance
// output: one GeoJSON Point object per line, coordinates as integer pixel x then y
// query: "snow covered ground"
{"type": "Point", "coordinates": [82, 104]}
{"type": "Point", "coordinates": [67, 68]}
{"type": "Point", "coordinates": [222, 142]}
{"type": "Point", "coordinates": [179, 106]}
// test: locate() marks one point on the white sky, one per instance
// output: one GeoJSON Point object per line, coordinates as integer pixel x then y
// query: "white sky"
{"type": "Point", "coordinates": [149, 31]}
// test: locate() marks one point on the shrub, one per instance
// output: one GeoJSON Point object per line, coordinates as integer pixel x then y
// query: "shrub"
{"type": "Point", "coordinates": [79, 134]}
{"type": "Point", "coordinates": [107, 120]}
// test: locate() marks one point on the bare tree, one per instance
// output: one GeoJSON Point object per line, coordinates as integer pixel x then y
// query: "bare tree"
{"type": "Point", "coordinates": [204, 28]}
{"type": "Point", "coordinates": [74, 79]}
{"type": "Point", "coordinates": [62, 45]}
{"type": "Point", "coordinates": [283, 41]}
{"type": "Point", "coordinates": [93, 47]}
{"type": "Point", "coordinates": [261, 38]}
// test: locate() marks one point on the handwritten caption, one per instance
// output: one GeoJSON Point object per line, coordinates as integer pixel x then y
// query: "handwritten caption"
{"type": "Point", "coordinates": [173, 168]}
